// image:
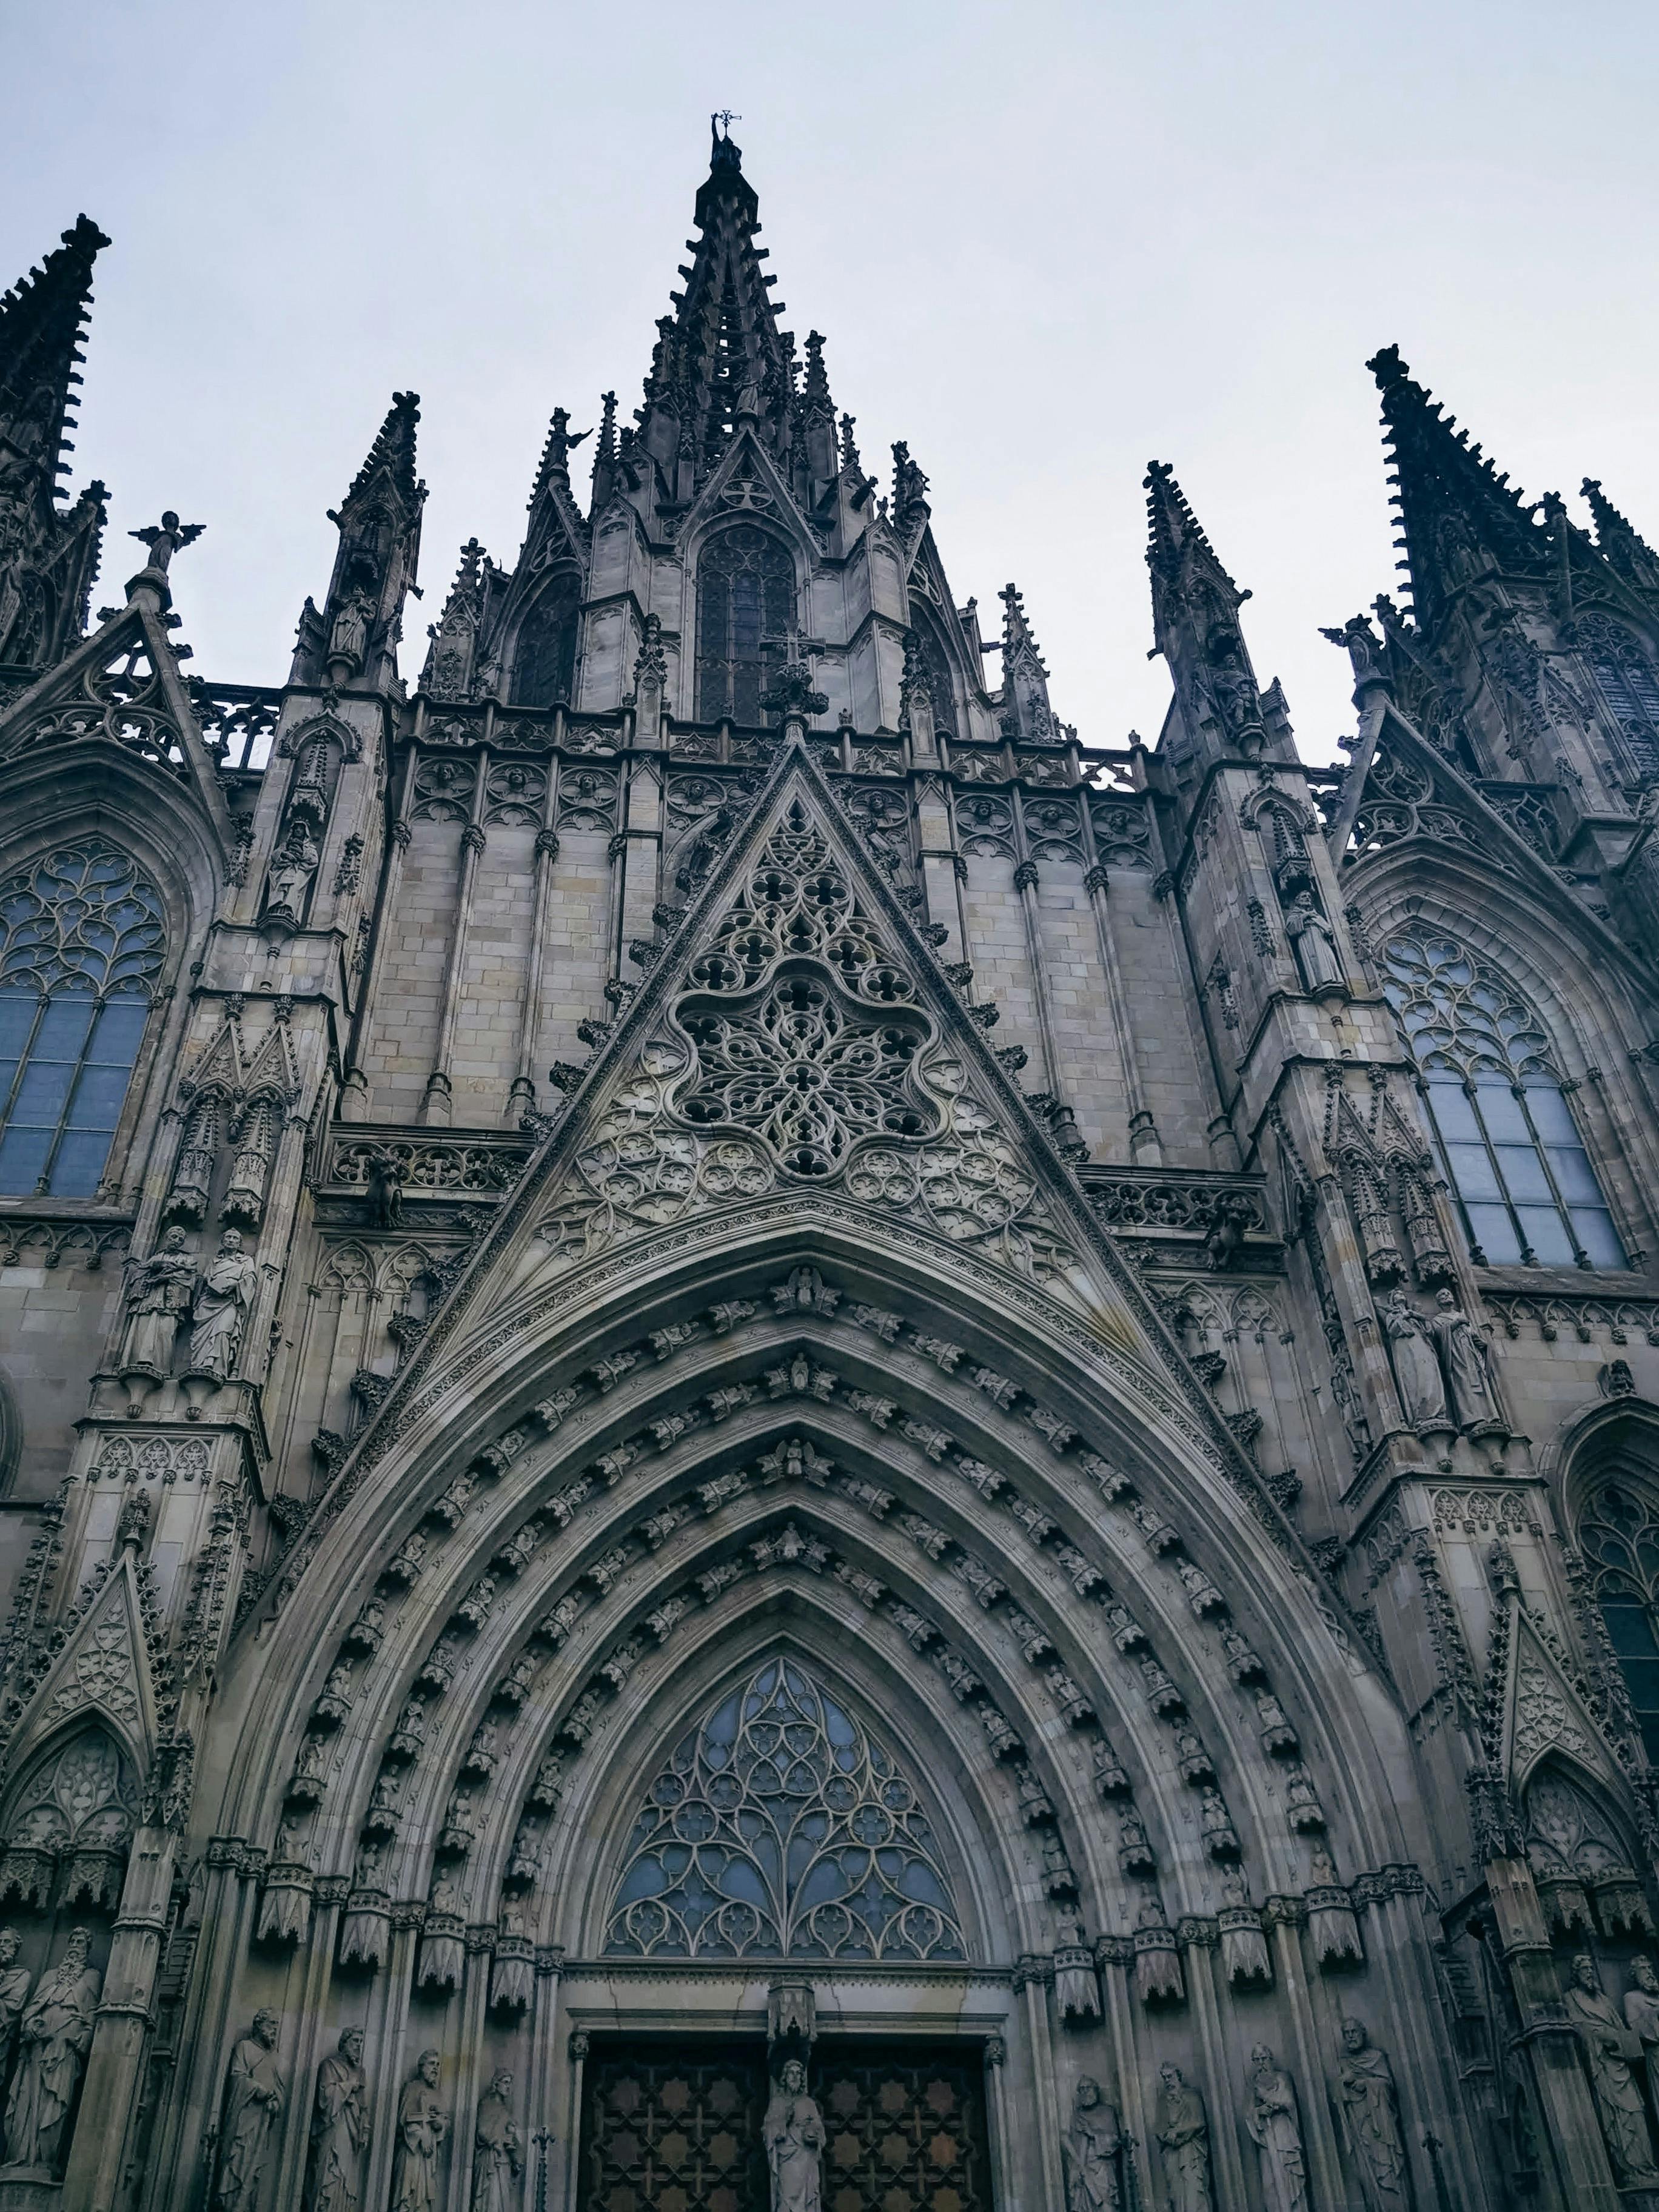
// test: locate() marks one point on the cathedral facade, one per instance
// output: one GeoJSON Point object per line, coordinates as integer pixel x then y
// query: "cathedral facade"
{"type": "Point", "coordinates": [775, 1440]}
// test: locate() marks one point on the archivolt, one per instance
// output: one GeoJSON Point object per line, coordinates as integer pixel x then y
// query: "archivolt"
{"type": "Point", "coordinates": [1070, 1624]}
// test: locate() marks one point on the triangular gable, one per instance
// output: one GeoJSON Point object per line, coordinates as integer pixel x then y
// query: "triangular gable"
{"type": "Point", "coordinates": [122, 686]}
{"type": "Point", "coordinates": [1397, 779]}
{"type": "Point", "coordinates": [748, 483]}
{"type": "Point", "coordinates": [1545, 1713]}
{"type": "Point", "coordinates": [102, 1673]}
{"type": "Point", "coordinates": [685, 1109]}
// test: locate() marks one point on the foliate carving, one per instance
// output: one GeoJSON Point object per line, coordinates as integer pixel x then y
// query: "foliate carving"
{"type": "Point", "coordinates": [808, 1058]}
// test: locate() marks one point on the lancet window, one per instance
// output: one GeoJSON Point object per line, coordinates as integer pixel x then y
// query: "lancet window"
{"type": "Point", "coordinates": [780, 1828]}
{"type": "Point", "coordinates": [1618, 1536]}
{"type": "Point", "coordinates": [746, 601]}
{"type": "Point", "coordinates": [941, 687]}
{"type": "Point", "coordinates": [80, 952]}
{"type": "Point", "coordinates": [1629, 684]}
{"type": "Point", "coordinates": [1500, 1113]}
{"type": "Point", "coordinates": [544, 657]}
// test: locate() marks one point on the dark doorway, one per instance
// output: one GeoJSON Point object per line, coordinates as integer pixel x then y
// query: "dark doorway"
{"type": "Point", "coordinates": [674, 2123]}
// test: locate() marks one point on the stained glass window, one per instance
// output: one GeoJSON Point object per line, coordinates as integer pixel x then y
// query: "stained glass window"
{"type": "Point", "coordinates": [1628, 684]}
{"type": "Point", "coordinates": [81, 949]}
{"type": "Point", "coordinates": [1505, 1132]}
{"type": "Point", "coordinates": [544, 657]}
{"type": "Point", "coordinates": [779, 1828]}
{"type": "Point", "coordinates": [745, 598]}
{"type": "Point", "coordinates": [1618, 1534]}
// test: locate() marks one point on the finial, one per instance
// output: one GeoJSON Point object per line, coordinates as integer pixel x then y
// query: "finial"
{"type": "Point", "coordinates": [164, 539]}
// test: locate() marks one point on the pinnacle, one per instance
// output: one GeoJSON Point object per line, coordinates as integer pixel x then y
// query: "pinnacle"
{"type": "Point", "coordinates": [393, 451]}
{"type": "Point", "coordinates": [1173, 529]}
{"type": "Point", "coordinates": [42, 321]}
{"type": "Point", "coordinates": [1016, 628]}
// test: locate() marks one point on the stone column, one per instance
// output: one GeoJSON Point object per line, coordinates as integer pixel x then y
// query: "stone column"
{"type": "Point", "coordinates": [436, 1103]}
{"type": "Point", "coordinates": [1145, 1148]}
{"type": "Point", "coordinates": [111, 2091]}
{"type": "Point", "coordinates": [354, 1090]}
{"type": "Point", "coordinates": [522, 1097]}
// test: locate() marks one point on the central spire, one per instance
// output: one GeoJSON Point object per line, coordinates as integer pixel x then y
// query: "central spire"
{"type": "Point", "coordinates": [720, 362]}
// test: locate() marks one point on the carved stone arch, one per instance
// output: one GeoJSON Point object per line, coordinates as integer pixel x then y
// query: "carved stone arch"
{"type": "Point", "coordinates": [724, 500]}
{"type": "Point", "coordinates": [1225, 1711]}
{"type": "Point", "coordinates": [1575, 1001]}
{"type": "Point", "coordinates": [296, 740]}
{"type": "Point", "coordinates": [67, 1819]}
{"type": "Point", "coordinates": [948, 684]}
{"type": "Point", "coordinates": [1582, 1848]}
{"type": "Point", "coordinates": [736, 613]}
{"type": "Point", "coordinates": [981, 1844]}
{"type": "Point", "coordinates": [1606, 1468]}
{"type": "Point", "coordinates": [543, 652]}
{"type": "Point", "coordinates": [348, 1267]}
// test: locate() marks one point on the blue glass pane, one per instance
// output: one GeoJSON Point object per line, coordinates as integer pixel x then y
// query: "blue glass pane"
{"type": "Point", "coordinates": [1500, 1109]}
{"type": "Point", "coordinates": [1472, 1171]}
{"type": "Point", "coordinates": [1545, 1231]}
{"type": "Point", "coordinates": [1573, 1175]}
{"type": "Point", "coordinates": [79, 1163]}
{"type": "Point", "coordinates": [1598, 1236]}
{"type": "Point", "coordinates": [119, 1031]}
{"type": "Point", "coordinates": [1523, 1171]}
{"type": "Point", "coordinates": [64, 1027]}
{"type": "Point", "coordinates": [43, 1092]}
{"type": "Point", "coordinates": [17, 1012]}
{"type": "Point", "coordinates": [1551, 1113]}
{"type": "Point", "coordinates": [1630, 1631]}
{"type": "Point", "coordinates": [1453, 1114]}
{"type": "Point", "coordinates": [97, 1101]}
{"type": "Point", "coordinates": [23, 1157]}
{"type": "Point", "coordinates": [1494, 1233]}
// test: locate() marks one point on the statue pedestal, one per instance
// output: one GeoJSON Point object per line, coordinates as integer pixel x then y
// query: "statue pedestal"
{"type": "Point", "coordinates": [28, 2189]}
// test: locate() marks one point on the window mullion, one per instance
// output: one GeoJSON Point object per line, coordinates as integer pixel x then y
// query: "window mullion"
{"type": "Point", "coordinates": [70, 1090]}
{"type": "Point", "coordinates": [1471, 1091]}
{"type": "Point", "coordinates": [1580, 1257]}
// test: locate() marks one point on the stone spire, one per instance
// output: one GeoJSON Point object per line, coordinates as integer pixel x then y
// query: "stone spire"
{"type": "Point", "coordinates": [48, 554]}
{"type": "Point", "coordinates": [1027, 718]}
{"type": "Point", "coordinates": [1195, 623]}
{"type": "Point", "coordinates": [720, 358]}
{"type": "Point", "coordinates": [451, 656]}
{"type": "Point", "coordinates": [1459, 516]}
{"type": "Point", "coordinates": [1620, 545]}
{"type": "Point", "coordinates": [355, 637]}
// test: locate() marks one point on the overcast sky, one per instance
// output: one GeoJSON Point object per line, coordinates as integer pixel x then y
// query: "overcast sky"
{"type": "Point", "coordinates": [1045, 242]}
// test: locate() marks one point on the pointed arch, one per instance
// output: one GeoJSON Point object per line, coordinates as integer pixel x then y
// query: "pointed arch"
{"type": "Point", "coordinates": [544, 648]}
{"type": "Point", "coordinates": [936, 664]}
{"type": "Point", "coordinates": [745, 597]}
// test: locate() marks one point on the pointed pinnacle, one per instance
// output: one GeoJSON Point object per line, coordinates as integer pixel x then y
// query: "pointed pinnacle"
{"type": "Point", "coordinates": [42, 321]}
{"type": "Point", "coordinates": [1015, 628]}
{"type": "Point", "coordinates": [815, 391]}
{"type": "Point", "coordinates": [393, 451]}
{"type": "Point", "coordinates": [1172, 528]}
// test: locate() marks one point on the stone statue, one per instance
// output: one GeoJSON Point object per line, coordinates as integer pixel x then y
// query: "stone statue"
{"type": "Point", "coordinates": [252, 2098]}
{"type": "Point", "coordinates": [1315, 941]}
{"type": "Point", "coordinates": [14, 1995]}
{"type": "Point", "coordinates": [1416, 1364]}
{"type": "Point", "coordinates": [158, 1298]}
{"type": "Point", "coordinates": [1609, 2047]}
{"type": "Point", "coordinates": [223, 1295]}
{"type": "Point", "coordinates": [1371, 2108]}
{"type": "Point", "coordinates": [1641, 2017]}
{"type": "Point", "coordinates": [793, 2134]}
{"type": "Point", "coordinates": [1092, 2145]}
{"type": "Point", "coordinates": [498, 2149]}
{"type": "Point", "coordinates": [53, 2034]}
{"type": "Point", "coordinates": [1182, 2127]}
{"type": "Point", "coordinates": [1275, 2129]}
{"type": "Point", "coordinates": [162, 541]}
{"type": "Point", "coordinates": [421, 2130]}
{"type": "Point", "coordinates": [339, 2129]}
{"type": "Point", "coordinates": [348, 640]}
{"type": "Point", "coordinates": [1467, 1363]}
{"type": "Point", "coordinates": [292, 868]}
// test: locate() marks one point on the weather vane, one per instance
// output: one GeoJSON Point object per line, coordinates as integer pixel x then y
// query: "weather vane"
{"type": "Point", "coordinates": [725, 118]}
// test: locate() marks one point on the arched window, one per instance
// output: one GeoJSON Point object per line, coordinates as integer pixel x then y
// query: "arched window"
{"type": "Point", "coordinates": [1629, 684]}
{"type": "Point", "coordinates": [745, 599]}
{"type": "Point", "coordinates": [941, 687]}
{"type": "Point", "coordinates": [81, 948]}
{"type": "Point", "coordinates": [1618, 1536]}
{"type": "Point", "coordinates": [1506, 1136]}
{"type": "Point", "coordinates": [780, 1828]}
{"type": "Point", "coordinates": [544, 658]}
